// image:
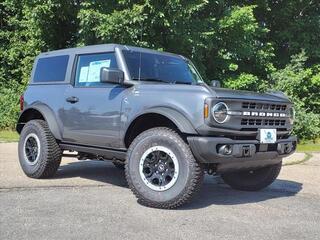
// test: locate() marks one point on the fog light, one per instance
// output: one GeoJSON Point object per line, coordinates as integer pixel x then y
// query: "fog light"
{"type": "Point", "coordinates": [225, 149]}
{"type": "Point", "coordinates": [287, 148]}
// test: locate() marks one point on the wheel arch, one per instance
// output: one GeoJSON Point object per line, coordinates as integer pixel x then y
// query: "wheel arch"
{"type": "Point", "coordinates": [155, 117]}
{"type": "Point", "coordinates": [39, 112]}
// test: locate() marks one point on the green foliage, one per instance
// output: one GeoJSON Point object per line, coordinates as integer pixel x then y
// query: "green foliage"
{"type": "Point", "coordinates": [222, 41]}
{"type": "Point", "coordinates": [302, 84]}
{"type": "Point", "coordinates": [9, 106]}
{"type": "Point", "coordinates": [307, 124]}
{"type": "Point", "coordinates": [241, 43]}
{"type": "Point", "coordinates": [246, 82]}
{"type": "Point", "coordinates": [251, 45]}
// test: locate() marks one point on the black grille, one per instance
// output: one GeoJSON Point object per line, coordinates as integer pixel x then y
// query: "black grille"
{"type": "Point", "coordinates": [259, 122]}
{"type": "Point", "coordinates": [264, 106]}
{"type": "Point", "coordinates": [264, 120]}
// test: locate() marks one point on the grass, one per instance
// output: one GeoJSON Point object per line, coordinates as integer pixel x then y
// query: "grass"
{"type": "Point", "coordinates": [8, 136]}
{"type": "Point", "coordinates": [308, 146]}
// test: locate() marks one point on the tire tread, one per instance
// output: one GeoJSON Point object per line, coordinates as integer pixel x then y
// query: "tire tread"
{"type": "Point", "coordinates": [193, 185]}
{"type": "Point", "coordinates": [51, 152]}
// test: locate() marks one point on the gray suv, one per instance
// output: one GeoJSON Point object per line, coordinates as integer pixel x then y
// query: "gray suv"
{"type": "Point", "coordinates": [150, 113]}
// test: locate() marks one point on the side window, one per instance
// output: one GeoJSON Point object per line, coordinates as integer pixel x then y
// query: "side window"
{"type": "Point", "coordinates": [88, 68]}
{"type": "Point", "coordinates": [51, 69]}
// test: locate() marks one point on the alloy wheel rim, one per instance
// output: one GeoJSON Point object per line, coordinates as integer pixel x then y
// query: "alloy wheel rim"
{"type": "Point", "coordinates": [31, 149]}
{"type": "Point", "coordinates": [159, 168]}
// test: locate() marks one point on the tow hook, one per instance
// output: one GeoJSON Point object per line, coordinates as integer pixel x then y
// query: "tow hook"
{"type": "Point", "coordinates": [246, 151]}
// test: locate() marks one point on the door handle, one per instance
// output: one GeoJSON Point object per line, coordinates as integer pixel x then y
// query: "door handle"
{"type": "Point", "coordinates": [72, 99]}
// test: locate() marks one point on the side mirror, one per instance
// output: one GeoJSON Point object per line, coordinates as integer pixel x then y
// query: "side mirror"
{"type": "Point", "coordinates": [111, 75]}
{"type": "Point", "coordinates": [215, 83]}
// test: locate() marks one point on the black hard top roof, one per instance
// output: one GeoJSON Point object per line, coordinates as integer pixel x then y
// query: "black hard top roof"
{"type": "Point", "coordinates": [101, 48]}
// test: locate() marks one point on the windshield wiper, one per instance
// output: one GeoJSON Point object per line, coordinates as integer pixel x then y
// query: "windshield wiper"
{"type": "Point", "coordinates": [177, 82]}
{"type": "Point", "coordinates": [151, 80]}
{"type": "Point", "coordinates": [161, 80]}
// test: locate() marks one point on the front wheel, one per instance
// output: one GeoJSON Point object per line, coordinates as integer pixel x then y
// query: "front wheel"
{"type": "Point", "coordinates": [161, 170]}
{"type": "Point", "coordinates": [252, 180]}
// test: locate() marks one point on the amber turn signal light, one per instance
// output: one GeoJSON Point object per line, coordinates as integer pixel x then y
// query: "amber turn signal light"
{"type": "Point", "coordinates": [206, 111]}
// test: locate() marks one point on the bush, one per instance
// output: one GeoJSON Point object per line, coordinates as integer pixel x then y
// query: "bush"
{"type": "Point", "coordinates": [302, 85]}
{"type": "Point", "coordinates": [307, 125]}
{"type": "Point", "coordinates": [246, 81]}
{"type": "Point", "coordinates": [9, 106]}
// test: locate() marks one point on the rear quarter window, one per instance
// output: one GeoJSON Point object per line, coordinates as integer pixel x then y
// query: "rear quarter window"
{"type": "Point", "coordinates": [51, 69]}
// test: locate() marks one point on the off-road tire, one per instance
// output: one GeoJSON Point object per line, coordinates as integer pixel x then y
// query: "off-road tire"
{"type": "Point", "coordinates": [254, 180]}
{"type": "Point", "coordinates": [190, 175]}
{"type": "Point", "coordinates": [50, 152]}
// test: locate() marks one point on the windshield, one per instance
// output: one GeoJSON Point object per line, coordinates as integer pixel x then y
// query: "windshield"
{"type": "Point", "coordinates": [162, 68]}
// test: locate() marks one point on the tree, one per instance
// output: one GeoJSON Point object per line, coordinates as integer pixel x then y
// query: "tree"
{"type": "Point", "coordinates": [293, 25]}
{"type": "Point", "coordinates": [302, 84]}
{"type": "Point", "coordinates": [223, 41]}
{"type": "Point", "coordinates": [247, 44]}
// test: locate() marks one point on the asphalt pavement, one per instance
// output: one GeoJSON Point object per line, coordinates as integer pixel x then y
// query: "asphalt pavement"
{"type": "Point", "coordinates": [91, 200]}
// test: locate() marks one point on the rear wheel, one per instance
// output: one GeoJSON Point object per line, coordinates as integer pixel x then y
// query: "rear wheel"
{"type": "Point", "coordinates": [39, 153]}
{"type": "Point", "coordinates": [161, 170]}
{"type": "Point", "coordinates": [252, 180]}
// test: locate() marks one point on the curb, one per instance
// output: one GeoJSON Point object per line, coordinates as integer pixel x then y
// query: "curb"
{"type": "Point", "coordinates": [296, 158]}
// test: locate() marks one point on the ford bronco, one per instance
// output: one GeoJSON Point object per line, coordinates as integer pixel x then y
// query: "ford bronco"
{"type": "Point", "coordinates": [151, 113]}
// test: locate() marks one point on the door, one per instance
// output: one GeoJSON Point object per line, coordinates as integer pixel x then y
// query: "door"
{"type": "Point", "coordinates": [91, 114]}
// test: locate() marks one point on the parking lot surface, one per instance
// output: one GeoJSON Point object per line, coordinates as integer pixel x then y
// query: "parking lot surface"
{"type": "Point", "coordinates": [90, 200]}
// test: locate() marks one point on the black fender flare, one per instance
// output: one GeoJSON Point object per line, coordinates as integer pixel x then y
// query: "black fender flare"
{"type": "Point", "coordinates": [182, 122]}
{"type": "Point", "coordinates": [47, 114]}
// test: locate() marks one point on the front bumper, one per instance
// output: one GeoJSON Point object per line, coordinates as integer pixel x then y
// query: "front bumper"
{"type": "Point", "coordinates": [244, 154]}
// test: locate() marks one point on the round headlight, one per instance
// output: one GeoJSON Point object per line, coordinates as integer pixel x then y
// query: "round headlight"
{"type": "Point", "coordinates": [220, 112]}
{"type": "Point", "coordinates": [291, 115]}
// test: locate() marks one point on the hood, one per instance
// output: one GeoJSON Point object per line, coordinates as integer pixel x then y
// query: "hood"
{"type": "Point", "coordinates": [206, 91]}
{"type": "Point", "coordinates": [225, 93]}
